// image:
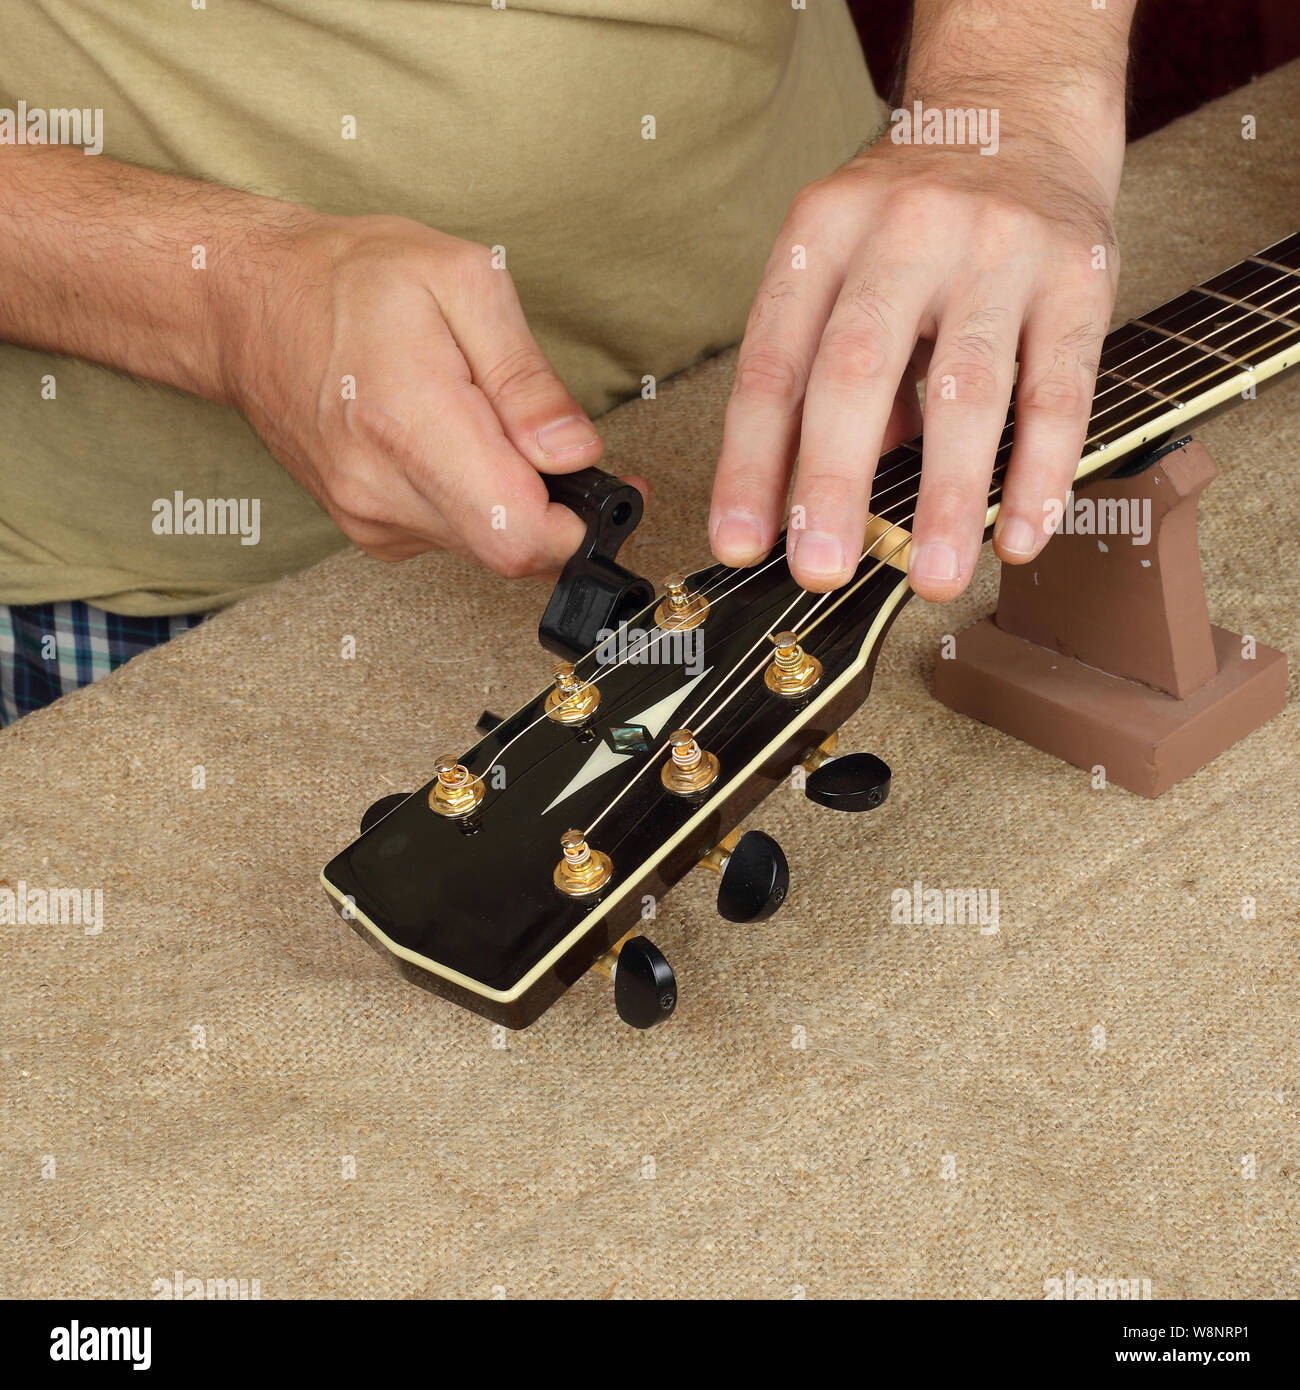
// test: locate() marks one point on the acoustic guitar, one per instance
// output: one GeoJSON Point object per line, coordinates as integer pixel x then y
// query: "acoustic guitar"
{"type": "Point", "coordinates": [537, 854]}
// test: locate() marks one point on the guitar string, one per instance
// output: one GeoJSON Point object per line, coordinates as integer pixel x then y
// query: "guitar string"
{"type": "Point", "coordinates": [839, 596]}
{"type": "Point", "coordinates": [627, 659]}
{"type": "Point", "coordinates": [804, 627]}
{"type": "Point", "coordinates": [843, 595]}
{"type": "Point", "coordinates": [689, 722]}
{"type": "Point", "coordinates": [1174, 352]}
{"type": "Point", "coordinates": [849, 589]}
{"type": "Point", "coordinates": [1237, 362]}
{"type": "Point", "coordinates": [991, 499]}
{"type": "Point", "coordinates": [653, 639]}
{"type": "Point", "coordinates": [878, 498]}
{"type": "Point", "coordinates": [701, 725]}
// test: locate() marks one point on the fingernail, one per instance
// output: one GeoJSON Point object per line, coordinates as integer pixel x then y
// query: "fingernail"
{"type": "Point", "coordinates": [564, 436]}
{"type": "Point", "coordinates": [739, 532]}
{"type": "Point", "coordinates": [819, 555]}
{"type": "Point", "coordinates": [935, 563]}
{"type": "Point", "coordinates": [1017, 536]}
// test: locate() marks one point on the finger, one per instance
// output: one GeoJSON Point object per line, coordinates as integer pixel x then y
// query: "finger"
{"type": "Point", "coordinates": [499, 507]}
{"type": "Point", "coordinates": [1060, 345]}
{"type": "Point", "coordinates": [638, 482]}
{"type": "Point", "coordinates": [762, 423]}
{"type": "Point", "coordinates": [540, 417]}
{"type": "Point", "coordinates": [642, 485]}
{"type": "Point", "coordinates": [453, 450]}
{"type": "Point", "coordinates": [391, 544]}
{"type": "Point", "coordinates": [966, 398]}
{"type": "Point", "coordinates": [905, 416]}
{"type": "Point", "coordinates": [851, 396]}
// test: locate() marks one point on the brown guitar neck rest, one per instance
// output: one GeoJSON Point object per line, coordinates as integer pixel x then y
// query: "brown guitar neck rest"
{"type": "Point", "coordinates": [1102, 652]}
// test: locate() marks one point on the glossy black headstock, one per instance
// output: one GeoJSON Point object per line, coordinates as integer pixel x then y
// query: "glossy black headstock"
{"type": "Point", "coordinates": [470, 904]}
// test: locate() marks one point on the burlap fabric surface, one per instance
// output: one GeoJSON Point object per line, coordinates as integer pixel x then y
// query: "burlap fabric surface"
{"type": "Point", "coordinates": [225, 1081]}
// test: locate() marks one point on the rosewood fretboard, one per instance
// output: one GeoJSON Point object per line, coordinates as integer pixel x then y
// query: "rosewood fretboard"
{"type": "Point", "coordinates": [1157, 372]}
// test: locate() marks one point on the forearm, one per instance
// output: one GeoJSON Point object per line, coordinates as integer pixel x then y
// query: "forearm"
{"type": "Point", "coordinates": [126, 266]}
{"type": "Point", "coordinates": [1055, 69]}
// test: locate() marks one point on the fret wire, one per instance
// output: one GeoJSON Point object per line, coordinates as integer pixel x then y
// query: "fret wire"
{"type": "Point", "coordinates": [804, 629]}
{"type": "Point", "coordinates": [1242, 283]}
{"type": "Point", "coordinates": [995, 494]}
{"type": "Point", "coordinates": [1289, 245]}
{"type": "Point", "coordinates": [1280, 341]}
{"type": "Point", "coordinates": [1274, 265]}
{"type": "Point", "coordinates": [1094, 437]}
{"type": "Point", "coordinates": [1185, 304]}
{"type": "Point", "coordinates": [1115, 341]}
{"type": "Point", "coordinates": [1248, 278]}
{"type": "Point", "coordinates": [1207, 346]}
{"type": "Point", "coordinates": [1115, 337]}
{"type": "Point", "coordinates": [1263, 324]}
{"type": "Point", "coordinates": [1187, 342]}
{"type": "Point", "coordinates": [1252, 308]}
{"type": "Point", "coordinates": [1181, 367]}
{"type": "Point", "coordinates": [1187, 358]}
{"type": "Point", "coordinates": [1244, 279]}
{"type": "Point", "coordinates": [1128, 381]}
{"type": "Point", "coordinates": [1124, 345]}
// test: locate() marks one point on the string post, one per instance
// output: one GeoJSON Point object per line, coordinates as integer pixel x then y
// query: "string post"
{"type": "Point", "coordinates": [680, 609]}
{"type": "Point", "coordinates": [571, 701]}
{"type": "Point", "coordinates": [792, 671]}
{"type": "Point", "coordinates": [456, 791]}
{"type": "Point", "coordinates": [690, 769]}
{"type": "Point", "coordinates": [582, 870]}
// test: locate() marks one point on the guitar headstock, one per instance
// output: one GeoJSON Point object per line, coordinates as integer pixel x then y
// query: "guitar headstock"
{"type": "Point", "coordinates": [529, 858]}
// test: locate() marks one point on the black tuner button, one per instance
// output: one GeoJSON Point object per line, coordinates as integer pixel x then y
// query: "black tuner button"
{"type": "Point", "coordinates": [755, 880]}
{"type": "Point", "coordinates": [377, 810]}
{"type": "Point", "coordinates": [855, 782]}
{"type": "Point", "coordinates": [645, 988]}
{"type": "Point", "coordinates": [487, 721]}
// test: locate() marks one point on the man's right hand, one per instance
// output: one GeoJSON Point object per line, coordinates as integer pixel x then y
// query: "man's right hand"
{"type": "Point", "coordinates": [390, 370]}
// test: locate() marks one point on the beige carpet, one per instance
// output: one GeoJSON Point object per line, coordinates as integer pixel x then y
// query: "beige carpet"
{"type": "Point", "coordinates": [200, 1077]}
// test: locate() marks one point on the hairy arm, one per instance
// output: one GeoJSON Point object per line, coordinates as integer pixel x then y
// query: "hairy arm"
{"type": "Point", "coordinates": [126, 266]}
{"type": "Point", "coordinates": [1056, 70]}
{"type": "Point", "coordinates": [387, 366]}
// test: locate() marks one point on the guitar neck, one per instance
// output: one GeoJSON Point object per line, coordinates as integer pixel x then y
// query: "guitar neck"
{"type": "Point", "coordinates": [1195, 352]}
{"type": "Point", "coordinates": [1207, 346]}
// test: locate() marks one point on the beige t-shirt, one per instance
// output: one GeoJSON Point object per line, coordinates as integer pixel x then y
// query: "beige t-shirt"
{"type": "Point", "coordinates": [521, 126]}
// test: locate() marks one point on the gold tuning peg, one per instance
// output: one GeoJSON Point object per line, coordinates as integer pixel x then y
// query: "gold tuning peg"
{"type": "Point", "coordinates": [572, 701]}
{"type": "Point", "coordinates": [582, 870]}
{"type": "Point", "coordinates": [716, 859]}
{"type": "Point", "coordinates": [792, 671]}
{"type": "Point", "coordinates": [755, 875]}
{"type": "Point", "coordinates": [680, 609]}
{"type": "Point", "coordinates": [690, 769]}
{"type": "Point", "coordinates": [456, 791]}
{"type": "Point", "coordinates": [822, 753]}
{"type": "Point", "coordinates": [604, 965]}
{"type": "Point", "coordinates": [645, 988]}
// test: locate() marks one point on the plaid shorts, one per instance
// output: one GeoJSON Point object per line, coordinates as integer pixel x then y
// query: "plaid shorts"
{"type": "Point", "coordinates": [47, 649]}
